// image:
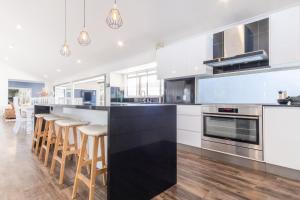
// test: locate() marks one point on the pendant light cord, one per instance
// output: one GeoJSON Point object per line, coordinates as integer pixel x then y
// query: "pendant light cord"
{"type": "Point", "coordinates": [83, 13]}
{"type": "Point", "coordinates": [65, 21]}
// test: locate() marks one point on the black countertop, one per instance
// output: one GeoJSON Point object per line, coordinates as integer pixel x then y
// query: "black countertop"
{"type": "Point", "coordinates": [105, 108]}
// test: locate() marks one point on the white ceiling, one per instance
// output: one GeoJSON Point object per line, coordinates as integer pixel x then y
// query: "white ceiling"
{"type": "Point", "coordinates": [146, 22]}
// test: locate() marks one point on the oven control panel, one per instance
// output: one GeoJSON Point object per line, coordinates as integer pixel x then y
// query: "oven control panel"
{"type": "Point", "coordinates": [228, 110]}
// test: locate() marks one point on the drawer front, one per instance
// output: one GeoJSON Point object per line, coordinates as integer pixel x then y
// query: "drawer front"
{"type": "Point", "coordinates": [189, 138]}
{"type": "Point", "coordinates": [189, 110]}
{"type": "Point", "coordinates": [189, 123]}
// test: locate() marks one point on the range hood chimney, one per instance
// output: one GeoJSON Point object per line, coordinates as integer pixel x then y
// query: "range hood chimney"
{"type": "Point", "coordinates": [236, 47]}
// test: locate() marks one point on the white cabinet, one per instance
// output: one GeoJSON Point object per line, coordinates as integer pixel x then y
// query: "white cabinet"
{"type": "Point", "coordinates": [282, 136]}
{"type": "Point", "coordinates": [285, 38]}
{"type": "Point", "coordinates": [184, 58]}
{"type": "Point", "coordinates": [189, 129]}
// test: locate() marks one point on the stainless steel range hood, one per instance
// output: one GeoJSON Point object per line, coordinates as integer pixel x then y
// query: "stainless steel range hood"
{"type": "Point", "coordinates": [239, 59]}
{"type": "Point", "coordinates": [235, 44]}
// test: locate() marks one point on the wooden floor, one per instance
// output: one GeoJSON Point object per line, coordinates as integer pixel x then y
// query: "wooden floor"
{"type": "Point", "coordinates": [23, 177]}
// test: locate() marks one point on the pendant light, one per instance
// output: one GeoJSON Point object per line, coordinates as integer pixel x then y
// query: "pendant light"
{"type": "Point", "coordinates": [84, 38]}
{"type": "Point", "coordinates": [65, 50]}
{"type": "Point", "coordinates": [114, 19]}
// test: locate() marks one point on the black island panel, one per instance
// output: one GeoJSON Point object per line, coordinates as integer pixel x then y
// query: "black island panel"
{"type": "Point", "coordinates": [142, 151]}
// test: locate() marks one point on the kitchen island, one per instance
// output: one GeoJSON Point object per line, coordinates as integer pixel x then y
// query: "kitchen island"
{"type": "Point", "coordinates": [141, 146]}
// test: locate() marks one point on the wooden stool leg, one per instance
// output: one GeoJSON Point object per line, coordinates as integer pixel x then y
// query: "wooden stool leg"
{"type": "Point", "coordinates": [79, 165]}
{"type": "Point", "coordinates": [103, 160]}
{"type": "Point", "coordinates": [57, 142]}
{"type": "Point", "coordinates": [44, 139]}
{"type": "Point", "coordinates": [63, 158]}
{"type": "Point", "coordinates": [49, 141]}
{"type": "Point", "coordinates": [35, 134]}
{"type": "Point", "coordinates": [94, 168]}
{"type": "Point", "coordinates": [86, 155]}
{"type": "Point", "coordinates": [39, 133]}
{"type": "Point", "coordinates": [75, 143]}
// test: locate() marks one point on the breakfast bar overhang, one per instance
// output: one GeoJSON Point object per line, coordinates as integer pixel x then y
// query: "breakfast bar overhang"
{"type": "Point", "coordinates": [141, 146]}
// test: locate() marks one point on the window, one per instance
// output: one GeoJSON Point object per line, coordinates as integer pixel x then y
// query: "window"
{"type": "Point", "coordinates": [153, 85]}
{"type": "Point", "coordinates": [132, 86]}
{"type": "Point", "coordinates": [144, 84]}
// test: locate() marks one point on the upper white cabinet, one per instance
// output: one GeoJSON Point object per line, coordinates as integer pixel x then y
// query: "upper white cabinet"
{"type": "Point", "coordinates": [285, 38]}
{"type": "Point", "coordinates": [282, 136]}
{"type": "Point", "coordinates": [184, 58]}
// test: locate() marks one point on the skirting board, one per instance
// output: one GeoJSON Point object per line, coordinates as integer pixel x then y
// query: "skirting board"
{"type": "Point", "coordinates": [243, 162]}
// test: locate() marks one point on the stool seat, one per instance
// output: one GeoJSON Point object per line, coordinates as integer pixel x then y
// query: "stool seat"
{"type": "Point", "coordinates": [42, 115]}
{"type": "Point", "coordinates": [93, 130]}
{"type": "Point", "coordinates": [52, 118]}
{"type": "Point", "coordinates": [69, 122]}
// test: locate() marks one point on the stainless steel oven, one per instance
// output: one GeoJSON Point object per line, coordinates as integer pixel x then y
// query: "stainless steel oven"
{"type": "Point", "coordinates": [233, 129]}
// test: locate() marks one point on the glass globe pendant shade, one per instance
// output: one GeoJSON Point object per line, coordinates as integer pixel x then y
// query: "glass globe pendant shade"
{"type": "Point", "coordinates": [84, 38]}
{"type": "Point", "coordinates": [65, 50]}
{"type": "Point", "coordinates": [114, 19]}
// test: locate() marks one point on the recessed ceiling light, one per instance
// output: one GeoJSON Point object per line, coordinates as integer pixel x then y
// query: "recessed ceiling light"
{"type": "Point", "coordinates": [78, 61]}
{"type": "Point", "coordinates": [19, 27]}
{"type": "Point", "coordinates": [11, 46]}
{"type": "Point", "coordinates": [45, 76]}
{"type": "Point", "coordinates": [58, 70]}
{"type": "Point", "coordinates": [120, 43]}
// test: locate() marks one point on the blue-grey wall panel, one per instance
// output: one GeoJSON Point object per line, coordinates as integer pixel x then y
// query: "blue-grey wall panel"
{"type": "Point", "coordinates": [36, 88]}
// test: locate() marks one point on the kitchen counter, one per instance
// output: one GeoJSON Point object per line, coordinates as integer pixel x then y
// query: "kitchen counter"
{"type": "Point", "coordinates": [281, 105]}
{"type": "Point", "coordinates": [104, 108]}
{"type": "Point", "coordinates": [141, 145]}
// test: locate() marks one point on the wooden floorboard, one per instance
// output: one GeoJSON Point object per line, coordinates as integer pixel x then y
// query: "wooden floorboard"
{"type": "Point", "coordinates": [23, 177]}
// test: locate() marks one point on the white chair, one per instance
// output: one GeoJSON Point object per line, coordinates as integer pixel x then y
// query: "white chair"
{"type": "Point", "coordinates": [20, 119]}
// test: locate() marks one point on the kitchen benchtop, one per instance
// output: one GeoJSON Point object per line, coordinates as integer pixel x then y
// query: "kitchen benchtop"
{"type": "Point", "coordinates": [105, 108]}
{"type": "Point", "coordinates": [280, 105]}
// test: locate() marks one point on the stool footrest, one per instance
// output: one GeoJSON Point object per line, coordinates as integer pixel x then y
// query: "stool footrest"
{"type": "Point", "coordinates": [101, 171]}
{"type": "Point", "coordinates": [84, 179]}
{"type": "Point", "coordinates": [71, 152]}
{"type": "Point", "coordinates": [58, 159]}
{"type": "Point", "coordinates": [89, 162]}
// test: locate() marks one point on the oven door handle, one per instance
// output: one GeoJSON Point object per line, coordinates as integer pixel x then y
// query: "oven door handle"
{"type": "Point", "coordinates": [230, 116]}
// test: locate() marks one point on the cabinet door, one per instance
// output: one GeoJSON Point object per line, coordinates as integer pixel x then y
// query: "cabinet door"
{"type": "Point", "coordinates": [189, 129]}
{"type": "Point", "coordinates": [282, 136]}
{"type": "Point", "coordinates": [189, 123]}
{"type": "Point", "coordinates": [189, 138]}
{"type": "Point", "coordinates": [184, 58]}
{"type": "Point", "coordinates": [285, 38]}
{"type": "Point", "coordinates": [165, 63]}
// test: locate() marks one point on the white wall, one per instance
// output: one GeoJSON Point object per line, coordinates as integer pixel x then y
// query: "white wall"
{"type": "Point", "coordinates": [140, 59]}
{"type": "Point", "coordinates": [7, 73]}
{"type": "Point", "coordinates": [117, 80]}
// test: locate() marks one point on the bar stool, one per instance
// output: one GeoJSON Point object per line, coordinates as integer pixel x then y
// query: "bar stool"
{"type": "Point", "coordinates": [48, 137]}
{"type": "Point", "coordinates": [98, 132]}
{"type": "Point", "coordinates": [38, 133]}
{"type": "Point", "coordinates": [62, 144]}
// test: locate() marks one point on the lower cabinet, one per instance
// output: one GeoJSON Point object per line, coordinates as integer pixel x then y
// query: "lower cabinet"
{"type": "Point", "coordinates": [189, 129]}
{"type": "Point", "coordinates": [189, 138]}
{"type": "Point", "coordinates": [282, 136]}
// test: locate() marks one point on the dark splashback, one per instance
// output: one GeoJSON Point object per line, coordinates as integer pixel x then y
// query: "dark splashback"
{"type": "Point", "coordinates": [180, 91]}
{"type": "Point", "coordinates": [142, 159]}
